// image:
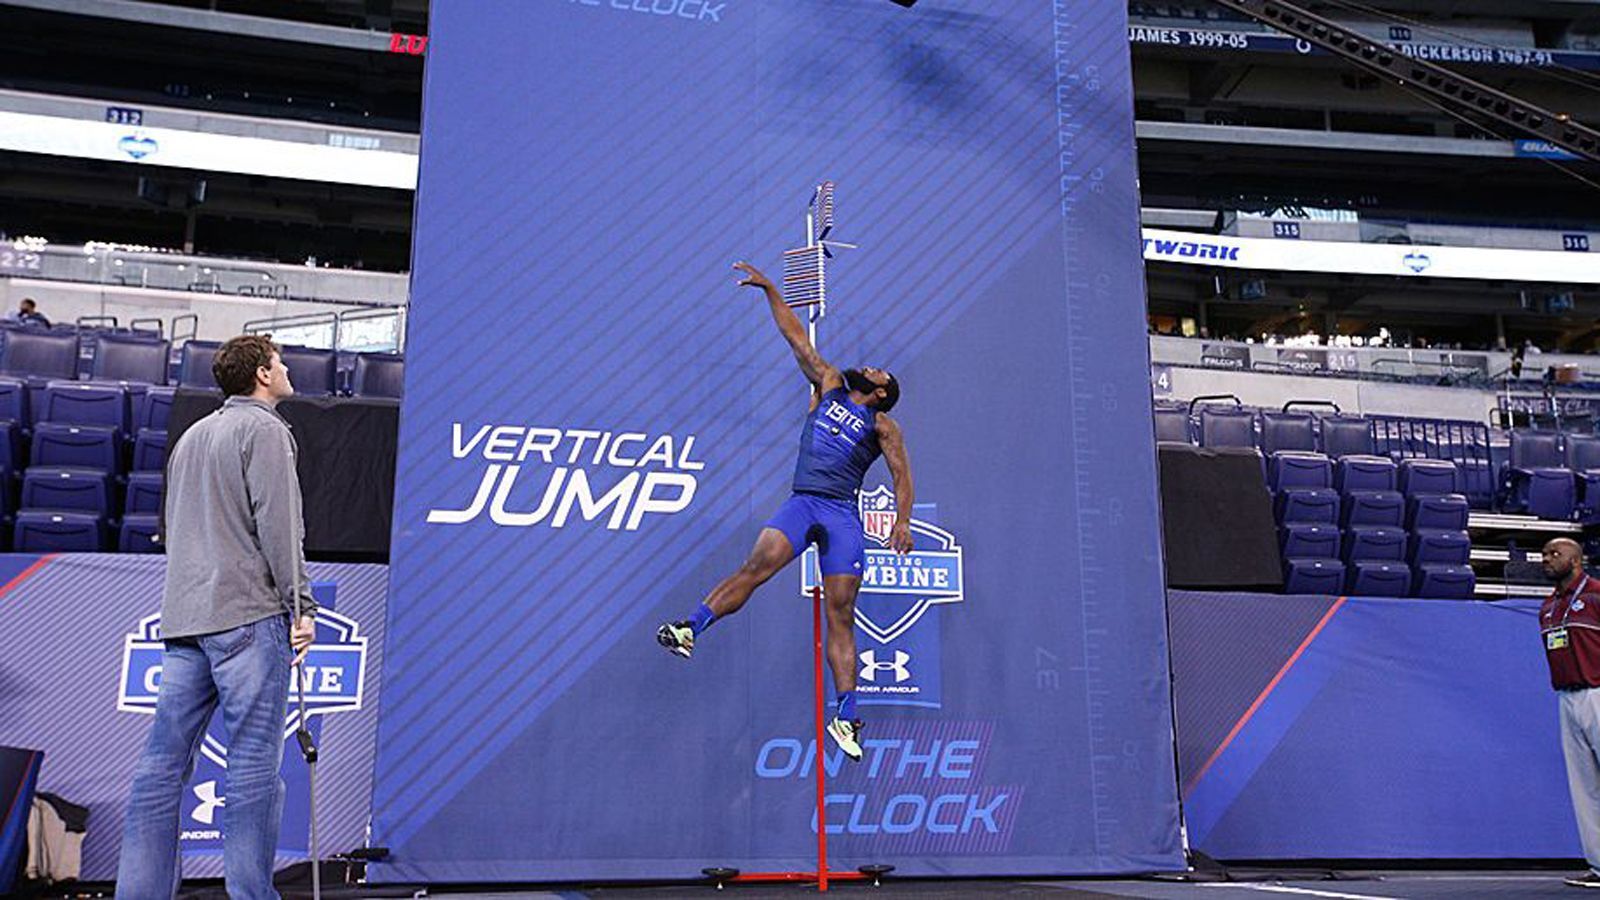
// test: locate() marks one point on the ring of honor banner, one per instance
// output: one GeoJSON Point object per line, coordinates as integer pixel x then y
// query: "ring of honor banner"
{"type": "Point", "coordinates": [598, 420]}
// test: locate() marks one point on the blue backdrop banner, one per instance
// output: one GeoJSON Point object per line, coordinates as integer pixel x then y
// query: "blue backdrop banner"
{"type": "Point", "coordinates": [1335, 728]}
{"type": "Point", "coordinates": [108, 674]}
{"type": "Point", "coordinates": [597, 421]}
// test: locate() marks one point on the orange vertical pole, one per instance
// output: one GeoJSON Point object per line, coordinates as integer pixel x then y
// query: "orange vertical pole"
{"type": "Point", "coordinates": [822, 821]}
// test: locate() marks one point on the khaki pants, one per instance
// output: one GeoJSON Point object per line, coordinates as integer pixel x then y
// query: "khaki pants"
{"type": "Point", "coordinates": [1580, 742]}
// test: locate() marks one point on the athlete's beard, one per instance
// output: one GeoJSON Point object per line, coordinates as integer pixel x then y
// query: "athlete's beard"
{"type": "Point", "coordinates": [856, 381]}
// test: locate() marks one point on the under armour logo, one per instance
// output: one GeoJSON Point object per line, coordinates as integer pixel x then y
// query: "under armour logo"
{"type": "Point", "coordinates": [871, 666]}
{"type": "Point", "coordinates": [206, 793]}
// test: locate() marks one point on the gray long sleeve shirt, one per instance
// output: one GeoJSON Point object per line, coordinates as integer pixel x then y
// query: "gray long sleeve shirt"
{"type": "Point", "coordinates": [234, 530]}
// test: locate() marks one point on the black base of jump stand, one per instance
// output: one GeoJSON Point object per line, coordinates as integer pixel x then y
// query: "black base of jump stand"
{"type": "Point", "coordinates": [724, 876]}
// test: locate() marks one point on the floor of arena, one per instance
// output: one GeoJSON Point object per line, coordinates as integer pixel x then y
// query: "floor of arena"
{"type": "Point", "coordinates": [1254, 884]}
{"type": "Point", "coordinates": [1347, 886]}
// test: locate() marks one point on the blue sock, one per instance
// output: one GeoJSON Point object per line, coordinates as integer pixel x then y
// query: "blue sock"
{"type": "Point", "coordinates": [847, 705]}
{"type": "Point", "coordinates": [702, 618]}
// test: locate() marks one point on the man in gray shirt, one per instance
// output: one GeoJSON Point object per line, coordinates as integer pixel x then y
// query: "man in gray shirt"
{"type": "Point", "coordinates": [235, 559]}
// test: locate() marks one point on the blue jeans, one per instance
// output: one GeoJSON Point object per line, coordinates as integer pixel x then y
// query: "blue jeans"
{"type": "Point", "coordinates": [246, 671]}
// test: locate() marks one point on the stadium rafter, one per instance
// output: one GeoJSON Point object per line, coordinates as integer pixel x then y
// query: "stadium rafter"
{"type": "Point", "coordinates": [1435, 81]}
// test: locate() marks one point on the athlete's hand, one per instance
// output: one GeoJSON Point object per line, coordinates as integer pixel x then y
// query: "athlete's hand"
{"type": "Point", "coordinates": [300, 637]}
{"type": "Point", "coordinates": [753, 277]}
{"type": "Point", "coordinates": [900, 538]}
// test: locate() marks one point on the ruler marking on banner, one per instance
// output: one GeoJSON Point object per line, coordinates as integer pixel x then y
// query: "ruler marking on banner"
{"type": "Point", "coordinates": [1083, 386]}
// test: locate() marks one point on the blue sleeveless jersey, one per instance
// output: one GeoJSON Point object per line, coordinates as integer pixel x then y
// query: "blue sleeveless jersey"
{"type": "Point", "coordinates": [837, 447]}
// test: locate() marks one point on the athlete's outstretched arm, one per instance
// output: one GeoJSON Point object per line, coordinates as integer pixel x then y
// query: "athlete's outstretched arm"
{"type": "Point", "coordinates": [816, 369]}
{"type": "Point", "coordinates": [894, 454]}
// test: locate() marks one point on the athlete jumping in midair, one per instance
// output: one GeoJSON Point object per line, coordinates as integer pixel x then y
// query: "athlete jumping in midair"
{"type": "Point", "coordinates": [847, 428]}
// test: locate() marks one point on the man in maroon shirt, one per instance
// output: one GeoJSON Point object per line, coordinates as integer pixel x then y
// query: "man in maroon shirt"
{"type": "Point", "coordinates": [1570, 622]}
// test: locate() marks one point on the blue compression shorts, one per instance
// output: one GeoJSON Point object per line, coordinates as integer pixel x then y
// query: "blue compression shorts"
{"type": "Point", "coordinates": [833, 525]}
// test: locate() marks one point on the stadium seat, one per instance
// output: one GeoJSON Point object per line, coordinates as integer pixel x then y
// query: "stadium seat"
{"type": "Point", "coordinates": [194, 365]}
{"type": "Point", "coordinates": [144, 493]}
{"type": "Point", "coordinates": [1347, 436]}
{"type": "Point", "coordinates": [138, 534]}
{"type": "Point", "coordinates": [1583, 458]}
{"type": "Point", "coordinates": [1227, 427]}
{"type": "Point", "coordinates": [1537, 480]}
{"type": "Point", "coordinates": [85, 403]}
{"type": "Point", "coordinates": [1373, 508]}
{"type": "Point", "coordinates": [52, 531]}
{"type": "Point", "coordinates": [1431, 546]}
{"type": "Point", "coordinates": [85, 490]}
{"type": "Point", "coordinates": [1378, 579]}
{"type": "Point", "coordinates": [42, 354]}
{"type": "Point", "coordinates": [76, 446]}
{"type": "Point", "coordinates": [128, 358]}
{"type": "Point", "coordinates": [1363, 473]}
{"type": "Point", "coordinates": [383, 375]}
{"type": "Point", "coordinates": [1448, 512]}
{"type": "Point", "coordinates": [1374, 544]}
{"type": "Point", "coordinates": [313, 372]}
{"type": "Point", "coordinates": [1308, 505]}
{"type": "Point", "coordinates": [150, 451]}
{"type": "Point", "coordinates": [14, 401]}
{"type": "Point", "coordinates": [1313, 576]}
{"type": "Point", "coordinates": [1444, 582]}
{"type": "Point", "coordinates": [1288, 469]}
{"type": "Point", "coordinates": [153, 409]}
{"type": "Point", "coordinates": [1309, 541]}
{"type": "Point", "coordinates": [1285, 431]}
{"type": "Point", "coordinates": [1428, 476]}
{"type": "Point", "coordinates": [1172, 425]}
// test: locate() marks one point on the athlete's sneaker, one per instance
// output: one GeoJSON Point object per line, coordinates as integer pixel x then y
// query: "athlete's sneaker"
{"type": "Point", "coordinates": [1588, 880]}
{"type": "Point", "coordinates": [677, 637]}
{"type": "Point", "coordinates": [847, 734]}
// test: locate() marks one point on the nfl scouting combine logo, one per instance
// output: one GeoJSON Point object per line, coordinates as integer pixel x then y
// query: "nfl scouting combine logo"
{"type": "Point", "coordinates": [332, 675]}
{"type": "Point", "coordinates": [897, 607]}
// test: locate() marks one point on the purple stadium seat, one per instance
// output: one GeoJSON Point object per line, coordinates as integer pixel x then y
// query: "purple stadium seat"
{"type": "Point", "coordinates": [383, 375]}
{"type": "Point", "coordinates": [85, 403]}
{"type": "Point", "coordinates": [314, 372]}
{"type": "Point", "coordinates": [1313, 576]}
{"type": "Point", "coordinates": [144, 493]}
{"type": "Point", "coordinates": [1309, 505]}
{"type": "Point", "coordinates": [1227, 427]}
{"type": "Point", "coordinates": [76, 446]}
{"type": "Point", "coordinates": [1288, 431]}
{"type": "Point", "coordinates": [82, 490]}
{"type": "Point", "coordinates": [1537, 479]}
{"type": "Point", "coordinates": [1447, 512]}
{"type": "Point", "coordinates": [1477, 482]}
{"type": "Point", "coordinates": [1444, 582]}
{"type": "Point", "coordinates": [1347, 436]}
{"type": "Point", "coordinates": [153, 408]}
{"type": "Point", "coordinates": [150, 451]}
{"type": "Point", "coordinates": [1428, 476]}
{"type": "Point", "coordinates": [1373, 508]}
{"type": "Point", "coordinates": [1172, 425]}
{"type": "Point", "coordinates": [14, 401]}
{"type": "Point", "coordinates": [194, 365]}
{"type": "Point", "coordinates": [51, 531]}
{"type": "Point", "coordinates": [129, 358]}
{"type": "Point", "coordinates": [1583, 458]}
{"type": "Point", "coordinates": [138, 534]}
{"type": "Point", "coordinates": [1288, 469]}
{"type": "Point", "coordinates": [1378, 579]}
{"type": "Point", "coordinates": [1309, 541]}
{"type": "Point", "coordinates": [1431, 547]}
{"type": "Point", "coordinates": [1374, 544]}
{"type": "Point", "coordinates": [42, 354]}
{"type": "Point", "coordinates": [1363, 473]}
